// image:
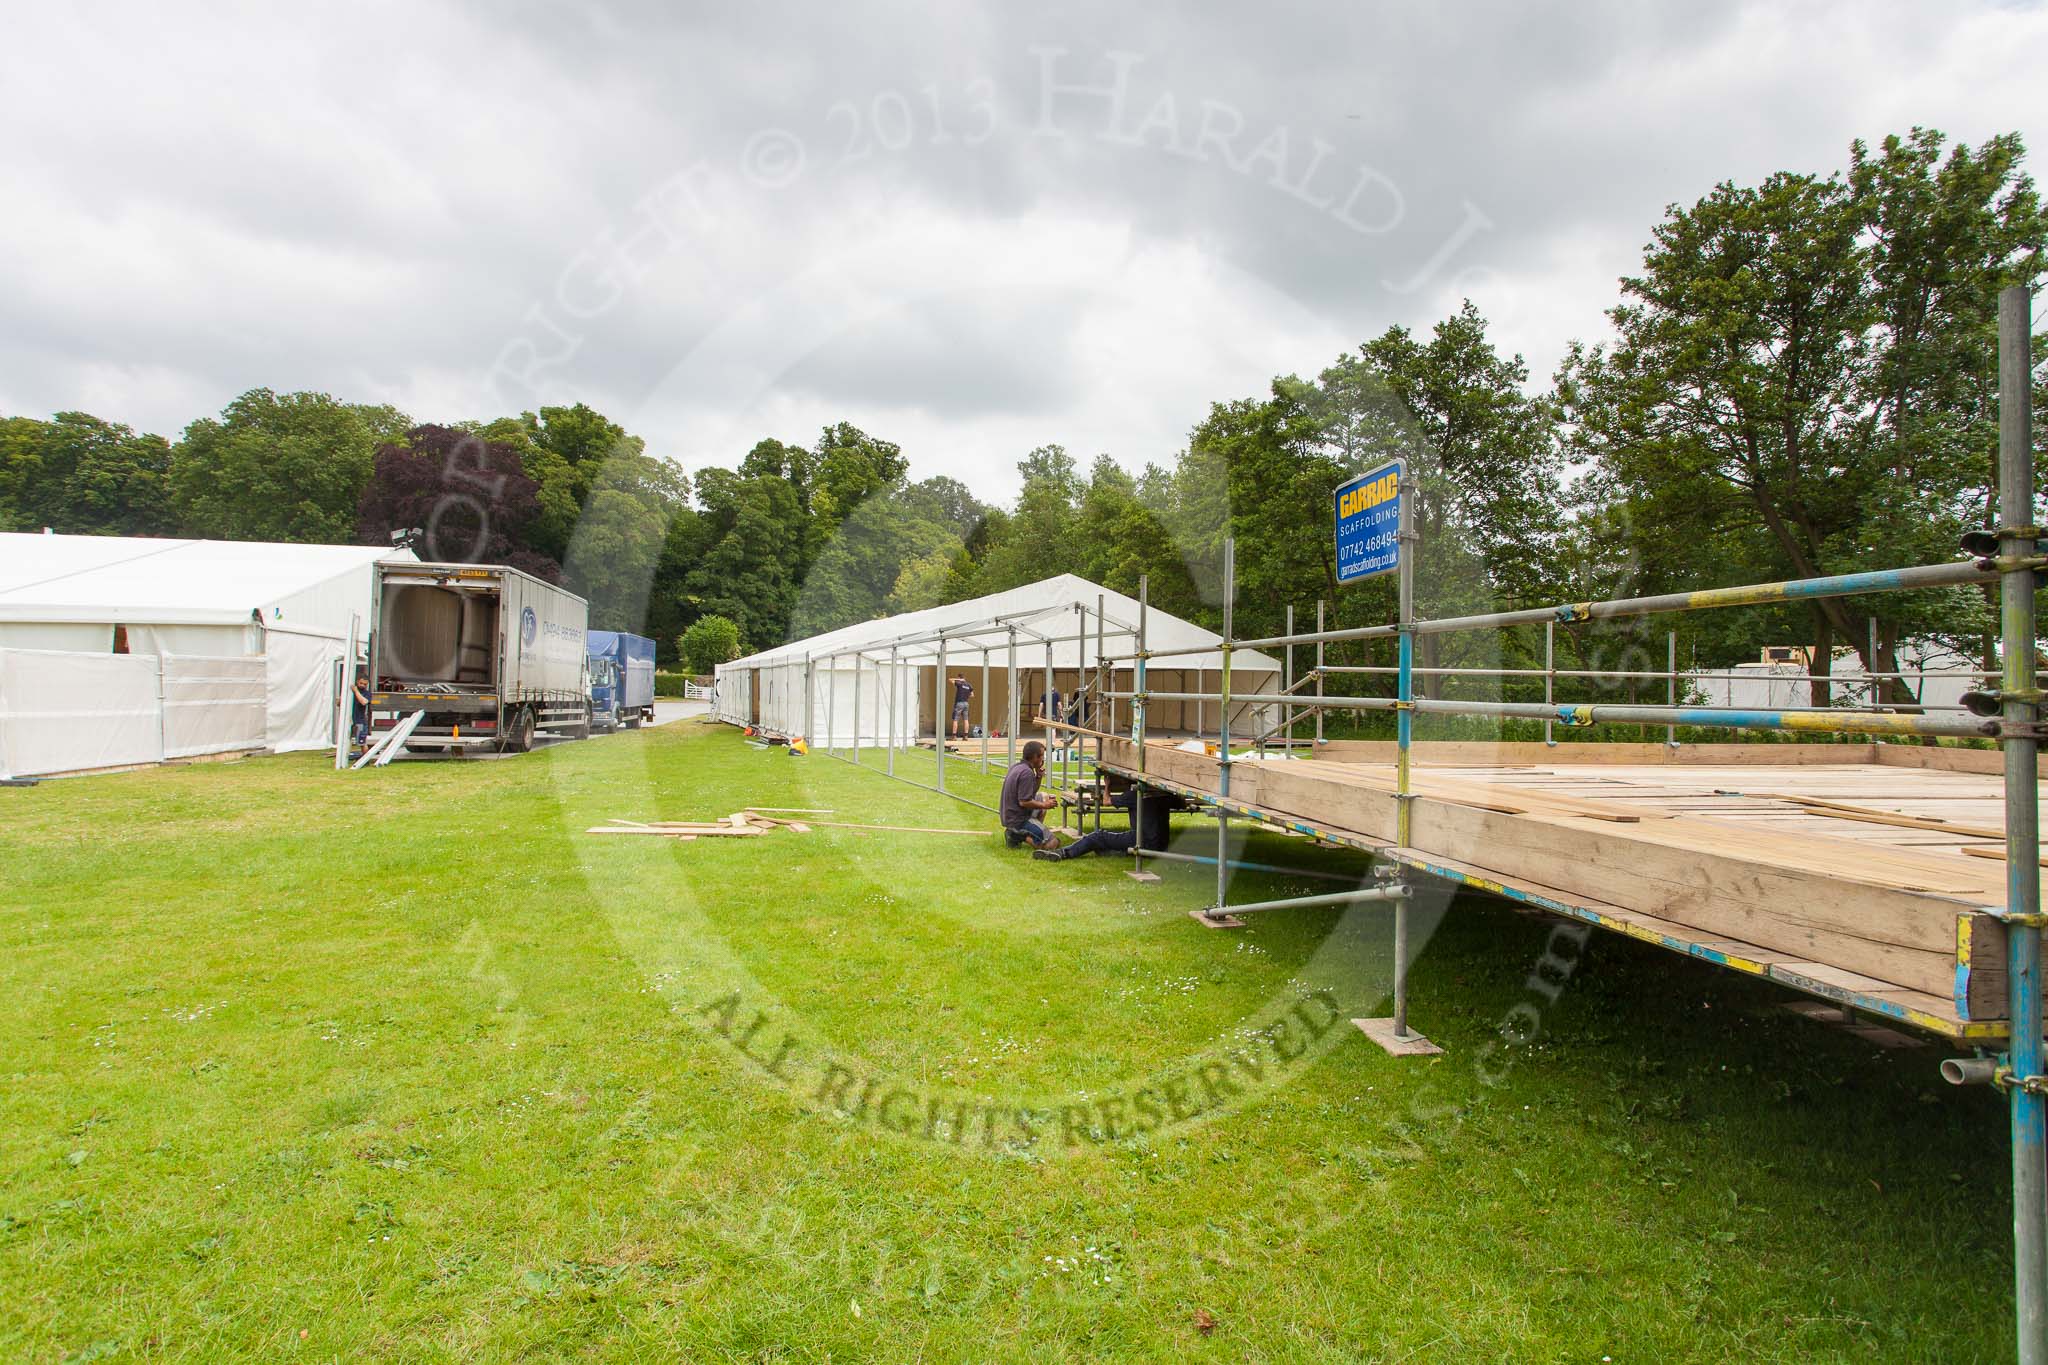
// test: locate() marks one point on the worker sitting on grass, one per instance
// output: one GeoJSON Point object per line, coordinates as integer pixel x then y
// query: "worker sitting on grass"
{"type": "Point", "coordinates": [1021, 805]}
{"type": "Point", "coordinates": [962, 690]}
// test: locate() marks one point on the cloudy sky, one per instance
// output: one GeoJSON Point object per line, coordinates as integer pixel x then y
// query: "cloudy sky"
{"type": "Point", "coordinates": [970, 232]}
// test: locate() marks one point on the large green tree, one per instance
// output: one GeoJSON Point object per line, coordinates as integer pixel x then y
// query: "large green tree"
{"type": "Point", "coordinates": [79, 475]}
{"type": "Point", "coordinates": [282, 467]}
{"type": "Point", "coordinates": [751, 569]}
{"type": "Point", "coordinates": [1802, 375]}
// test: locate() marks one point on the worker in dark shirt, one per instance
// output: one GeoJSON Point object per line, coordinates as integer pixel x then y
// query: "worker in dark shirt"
{"type": "Point", "coordinates": [1021, 805]}
{"type": "Point", "coordinates": [359, 707]}
{"type": "Point", "coordinates": [962, 690]}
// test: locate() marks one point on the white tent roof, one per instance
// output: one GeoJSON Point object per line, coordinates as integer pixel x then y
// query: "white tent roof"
{"type": "Point", "coordinates": [143, 581]}
{"type": "Point", "coordinates": [1041, 609]}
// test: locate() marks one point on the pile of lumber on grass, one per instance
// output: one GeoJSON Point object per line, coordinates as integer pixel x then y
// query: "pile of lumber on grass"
{"type": "Point", "coordinates": [755, 821]}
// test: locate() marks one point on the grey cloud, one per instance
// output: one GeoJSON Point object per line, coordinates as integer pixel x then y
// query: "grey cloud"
{"type": "Point", "coordinates": [397, 199]}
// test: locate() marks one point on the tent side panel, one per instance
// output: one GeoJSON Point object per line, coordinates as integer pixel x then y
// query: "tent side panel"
{"type": "Point", "coordinates": [213, 705]}
{"type": "Point", "coordinates": [78, 637]}
{"type": "Point", "coordinates": [300, 682]}
{"type": "Point", "coordinates": [207, 641]}
{"type": "Point", "coordinates": [69, 712]}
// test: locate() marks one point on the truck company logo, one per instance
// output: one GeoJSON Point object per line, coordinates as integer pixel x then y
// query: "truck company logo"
{"type": "Point", "coordinates": [529, 626]}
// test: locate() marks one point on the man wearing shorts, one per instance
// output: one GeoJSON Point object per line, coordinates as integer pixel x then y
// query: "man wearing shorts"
{"type": "Point", "coordinates": [962, 690]}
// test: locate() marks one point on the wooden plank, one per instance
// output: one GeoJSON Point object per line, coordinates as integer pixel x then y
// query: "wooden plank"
{"type": "Point", "coordinates": [668, 832]}
{"type": "Point", "coordinates": [1877, 911]}
{"type": "Point", "coordinates": [1940, 759]}
{"type": "Point", "coordinates": [1884, 817]}
{"type": "Point", "coordinates": [1991, 851]}
{"type": "Point", "coordinates": [1981, 965]}
{"type": "Point", "coordinates": [902, 829]}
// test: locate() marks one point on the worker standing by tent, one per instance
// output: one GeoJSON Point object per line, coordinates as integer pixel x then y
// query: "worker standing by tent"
{"type": "Point", "coordinates": [359, 706]}
{"type": "Point", "coordinates": [962, 690]}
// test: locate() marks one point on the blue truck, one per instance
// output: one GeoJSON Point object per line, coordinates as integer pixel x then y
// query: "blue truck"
{"type": "Point", "coordinates": [621, 679]}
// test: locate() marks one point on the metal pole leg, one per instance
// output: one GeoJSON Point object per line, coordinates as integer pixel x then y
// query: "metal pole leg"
{"type": "Point", "coordinates": [1223, 730]}
{"type": "Point", "coordinates": [1549, 677]}
{"type": "Point", "coordinates": [1319, 673]}
{"type": "Point", "coordinates": [2022, 830]}
{"type": "Point", "coordinates": [1671, 684]}
{"type": "Point", "coordinates": [1392, 1034]}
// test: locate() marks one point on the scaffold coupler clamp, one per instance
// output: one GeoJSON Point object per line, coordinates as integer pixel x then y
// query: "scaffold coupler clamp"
{"type": "Point", "coordinates": [1575, 716]}
{"type": "Point", "coordinates": [2005, 1078]}
{"type": "Point", "coordinates": [1393, 877]}
{"type": "Point", "coordinates": [1996, 552]}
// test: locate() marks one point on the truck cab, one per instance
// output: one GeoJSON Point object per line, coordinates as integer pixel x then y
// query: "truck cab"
{"type": "Point", "coordinates": [621, 679]}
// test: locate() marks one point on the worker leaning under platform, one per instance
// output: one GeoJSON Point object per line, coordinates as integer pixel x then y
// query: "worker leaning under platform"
{"type": "Point", "coordinates": [1021, 805]}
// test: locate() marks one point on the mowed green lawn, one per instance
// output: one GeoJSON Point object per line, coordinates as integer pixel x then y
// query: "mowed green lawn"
{"type": "Point", "coordinates": [403, 1064]}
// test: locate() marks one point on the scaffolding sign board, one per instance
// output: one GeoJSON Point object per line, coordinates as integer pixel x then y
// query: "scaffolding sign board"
{"type": "Point", "coordinates": [1369, 522]}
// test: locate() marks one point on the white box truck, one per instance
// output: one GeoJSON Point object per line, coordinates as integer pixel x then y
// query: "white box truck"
{"type": "Point", "coordinates": [490, 655]}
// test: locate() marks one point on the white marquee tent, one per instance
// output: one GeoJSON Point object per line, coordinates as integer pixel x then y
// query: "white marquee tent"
{"type": "Point", "coordinates": [767, 689]}
{"type": "Point", "coordinates": [117, 650]}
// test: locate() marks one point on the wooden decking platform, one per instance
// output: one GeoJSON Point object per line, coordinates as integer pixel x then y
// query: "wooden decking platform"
{"type": "Point", "coordinates": [1863, 880]}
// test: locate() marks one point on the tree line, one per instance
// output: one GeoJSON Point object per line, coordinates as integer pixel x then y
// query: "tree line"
{"type": "Point", "coordinates": [1801, 380]}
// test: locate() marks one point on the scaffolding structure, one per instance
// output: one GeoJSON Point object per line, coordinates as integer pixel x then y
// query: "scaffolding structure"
{"type": "Point", "coordinates": [2009, 556]}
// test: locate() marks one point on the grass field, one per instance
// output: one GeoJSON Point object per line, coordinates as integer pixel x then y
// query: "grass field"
{"type": "Point", "coordinates": [403, 1064]}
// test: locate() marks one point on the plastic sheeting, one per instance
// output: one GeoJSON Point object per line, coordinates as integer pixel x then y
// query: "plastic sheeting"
{"type": "Point", "coordinates": [66, 712]}
{"type": "Point", "coordinates": [213, 641]}
{"type": "Point", "coordinates": [212, 705]}
{"type": "Point", "coordinates": [301, 679]}
{"type": "Point", "coordinates": [83, 637]}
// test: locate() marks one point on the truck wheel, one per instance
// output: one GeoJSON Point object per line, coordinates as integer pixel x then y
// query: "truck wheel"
{"type": "Point", "coordinates": [519, 731]}
{"type": "Point", "coordinates": [633, 720]}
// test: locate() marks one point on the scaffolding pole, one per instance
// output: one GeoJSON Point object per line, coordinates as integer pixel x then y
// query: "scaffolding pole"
{"type": "Point", "coordinates": [1319, 671]}
{"type": "Point", "coordinates": [1397, 894]}
{"type": "Point", "coordinates": [2018, 537]}
{"type": "Point", "coordinates": [1962, 573]}
{"type": "Point", "coordinates": [941, 705]}
{"type": "Point", "coordinates": [1671, 683]}
{"type": "Point", "coordinates": [1138, 727]}
{"type": "Point", "coordinates": [1404, 734]}
{"type": "Point", "coordinates": [1549, 679]}
{"type": "Point", "coordinates": [1223, 727]}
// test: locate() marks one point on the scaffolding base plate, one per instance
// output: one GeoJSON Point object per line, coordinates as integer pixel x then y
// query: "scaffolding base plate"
{"type": "Point", "coordinates": [1207, 921]}
{"type": "Point", "coordinates": [1143, 876]}
{"type": "Point", "coordinates": [1381, 1031]}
